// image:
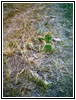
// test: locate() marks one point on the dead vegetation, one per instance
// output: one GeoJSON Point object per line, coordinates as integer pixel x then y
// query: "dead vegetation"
{"type": "Point", "coordinates": [27, 65]}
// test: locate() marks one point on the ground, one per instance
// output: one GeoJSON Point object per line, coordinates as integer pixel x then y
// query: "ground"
{"type": "Point", "coordinates": [28, 70]}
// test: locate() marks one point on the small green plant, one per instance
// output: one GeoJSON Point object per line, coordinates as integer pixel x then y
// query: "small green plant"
{"type": "Point", "coordinates": [47, 42]}
{"type": "Point", "coordinates": [46, 23]}
{"type": "Point", "coordinates": [48, 47]}
{"type": "Point", "coordinates": [27, 45]}
{"type": "Point", "coordinates": [48, 38]}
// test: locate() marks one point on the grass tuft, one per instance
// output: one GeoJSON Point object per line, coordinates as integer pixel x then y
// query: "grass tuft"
{"type": "Point", "coordinates": [9, 52]}
{"type": "Point", "coordinates": [12, 44]}
{"type": "Point", "coordinates": [8, 74]}
{"type": "Point", "coordinates": [40, 82]}
{"type": "Point", "coordinates": [4, 61]}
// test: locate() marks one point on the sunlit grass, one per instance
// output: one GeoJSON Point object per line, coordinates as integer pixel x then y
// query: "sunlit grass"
{"type": "Point", "coordinates": [9, 52]}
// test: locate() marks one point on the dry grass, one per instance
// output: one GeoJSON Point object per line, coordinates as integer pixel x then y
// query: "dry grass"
{"type": "Point", "coordinates": [8, 74]}
{"type": "Point", "coordinates": [8, 52]}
